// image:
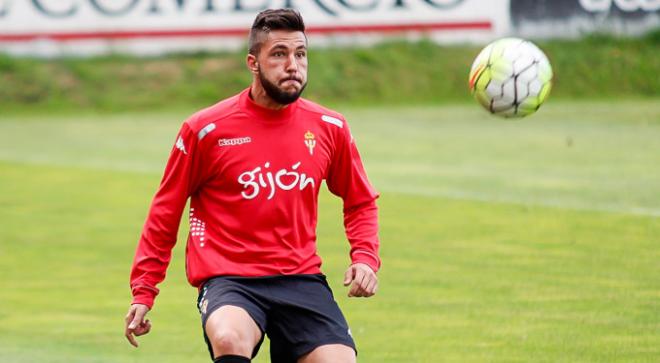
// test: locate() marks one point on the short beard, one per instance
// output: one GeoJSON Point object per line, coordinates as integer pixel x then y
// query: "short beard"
{"type": "Point", "coordinates": [276, 94]}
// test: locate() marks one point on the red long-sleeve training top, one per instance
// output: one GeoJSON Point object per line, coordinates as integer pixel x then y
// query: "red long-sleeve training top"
{"type": "Point", "coordinates": [253, 176]}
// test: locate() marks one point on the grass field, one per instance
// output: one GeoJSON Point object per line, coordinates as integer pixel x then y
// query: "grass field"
{"type": "Point", "coordinates": [502, 241]}
{"type": "Point", "coordinates": [594, 67]}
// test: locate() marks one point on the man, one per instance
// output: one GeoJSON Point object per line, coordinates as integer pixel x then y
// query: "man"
{"type": "Point", "coordinates": [253, 166]}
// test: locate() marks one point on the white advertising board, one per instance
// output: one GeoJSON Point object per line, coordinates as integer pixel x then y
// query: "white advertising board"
{"type": "Point", "coordinates": [86, 27]}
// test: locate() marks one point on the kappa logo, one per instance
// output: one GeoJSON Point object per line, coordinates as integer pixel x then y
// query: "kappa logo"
{"type": "Point", "coordinates": [204, 302]}
{"type": "Point", "coordinates": [179, 145]}
{"type": "Point", "coordinates": [204, 306]}
{"type": "Point", "coordinates": [234, 141]}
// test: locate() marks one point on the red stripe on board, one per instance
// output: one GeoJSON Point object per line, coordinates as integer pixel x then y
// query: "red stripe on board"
{"type": "Point", "coordinates": [477, 25]}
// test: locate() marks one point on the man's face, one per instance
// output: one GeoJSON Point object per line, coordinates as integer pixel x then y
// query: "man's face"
{"type": "Point", "coordinates": [282, 65]}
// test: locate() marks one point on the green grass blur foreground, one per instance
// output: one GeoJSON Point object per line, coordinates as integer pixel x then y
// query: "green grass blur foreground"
{"type": "Point", "coordinates": [391, 73]}
{"type": "Point", "coordinates": [503, 241]}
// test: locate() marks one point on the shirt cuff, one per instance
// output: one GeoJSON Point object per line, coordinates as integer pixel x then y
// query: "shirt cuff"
{"type": "Point", "coordinates": [366, 257]}
{"type": "Point", "coordinates": [144, 295]}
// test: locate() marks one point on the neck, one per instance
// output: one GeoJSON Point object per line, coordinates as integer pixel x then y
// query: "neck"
{"type": "Point", "coordinates": [261, 98]}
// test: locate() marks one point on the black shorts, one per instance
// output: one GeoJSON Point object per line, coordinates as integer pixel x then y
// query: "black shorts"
{"type": "Point", "coordinates": [297, 312]}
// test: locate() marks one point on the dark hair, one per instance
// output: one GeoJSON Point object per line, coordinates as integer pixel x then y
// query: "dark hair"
{"type": "Point", "coordinates": [273, 19]}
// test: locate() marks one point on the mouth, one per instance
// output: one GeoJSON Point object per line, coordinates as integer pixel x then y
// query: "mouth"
{"type": "Point", "coordinates": [291, 80]}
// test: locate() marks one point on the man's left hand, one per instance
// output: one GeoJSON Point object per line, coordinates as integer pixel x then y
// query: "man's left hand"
{"type": "Point", "coordinates": [364, 279]}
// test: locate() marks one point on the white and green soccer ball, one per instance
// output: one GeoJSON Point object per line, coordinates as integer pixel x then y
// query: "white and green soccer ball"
{"type": "Point", "coordinates": [511, 77]}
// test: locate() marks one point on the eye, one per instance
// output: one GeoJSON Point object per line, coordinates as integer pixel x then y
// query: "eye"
{"type": "Point", "coordinates": [301, 54]}
{"type": "Point", "coordinates": [278, 54]}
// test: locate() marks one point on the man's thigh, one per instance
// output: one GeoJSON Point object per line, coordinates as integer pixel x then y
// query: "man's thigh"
{"type": "Point", "coordinates": [231, 330]}
{"type": "Point", "coordinates": [233, 322]}
{"type": "Point", "coordinates": [330, 353]}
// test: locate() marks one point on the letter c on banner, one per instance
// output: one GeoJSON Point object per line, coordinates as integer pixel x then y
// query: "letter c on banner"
{"type": "Point", "coordinates": [61, 14]}
{"type": "Point", "coordinates": [119, 12]}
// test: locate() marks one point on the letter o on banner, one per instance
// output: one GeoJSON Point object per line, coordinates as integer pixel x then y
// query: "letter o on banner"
{"type": "Point", "coordinates": [53, 13]}
{"type": "Point", "coordinates": [101, 6]}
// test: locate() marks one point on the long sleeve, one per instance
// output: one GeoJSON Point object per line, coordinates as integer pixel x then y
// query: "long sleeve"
{"type": "Point", "coordinates": [348, 179]}
{"type": "Point", "coordinates": [160, 230]}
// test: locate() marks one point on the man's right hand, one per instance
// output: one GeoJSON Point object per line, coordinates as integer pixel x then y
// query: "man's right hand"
{"type": "Point", "coordinates": [135, 323]}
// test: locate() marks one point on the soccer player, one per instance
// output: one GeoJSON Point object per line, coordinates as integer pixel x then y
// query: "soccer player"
{"type": "Point", "coordinates": [253, 165]}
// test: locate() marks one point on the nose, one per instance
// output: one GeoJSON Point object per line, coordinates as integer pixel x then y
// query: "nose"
{"type": "Point", "coordinates": [291, 64]}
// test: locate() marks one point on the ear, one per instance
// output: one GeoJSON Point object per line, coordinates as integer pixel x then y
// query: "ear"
{"type": "Point", "coordinates": [252, 64]}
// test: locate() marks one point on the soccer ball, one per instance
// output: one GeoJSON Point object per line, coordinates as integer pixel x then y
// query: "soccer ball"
{"type": "Point", "coordinates": [511, 77]}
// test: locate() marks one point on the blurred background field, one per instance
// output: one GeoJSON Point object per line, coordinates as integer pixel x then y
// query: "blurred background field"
{"type": "Point", "coordinates": [533, 240]}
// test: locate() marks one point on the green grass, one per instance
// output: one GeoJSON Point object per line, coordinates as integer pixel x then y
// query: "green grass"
{"type": "Point", "coordinates": [503, 241]}
{"type": "Point", "coordinates": [391, 73]}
